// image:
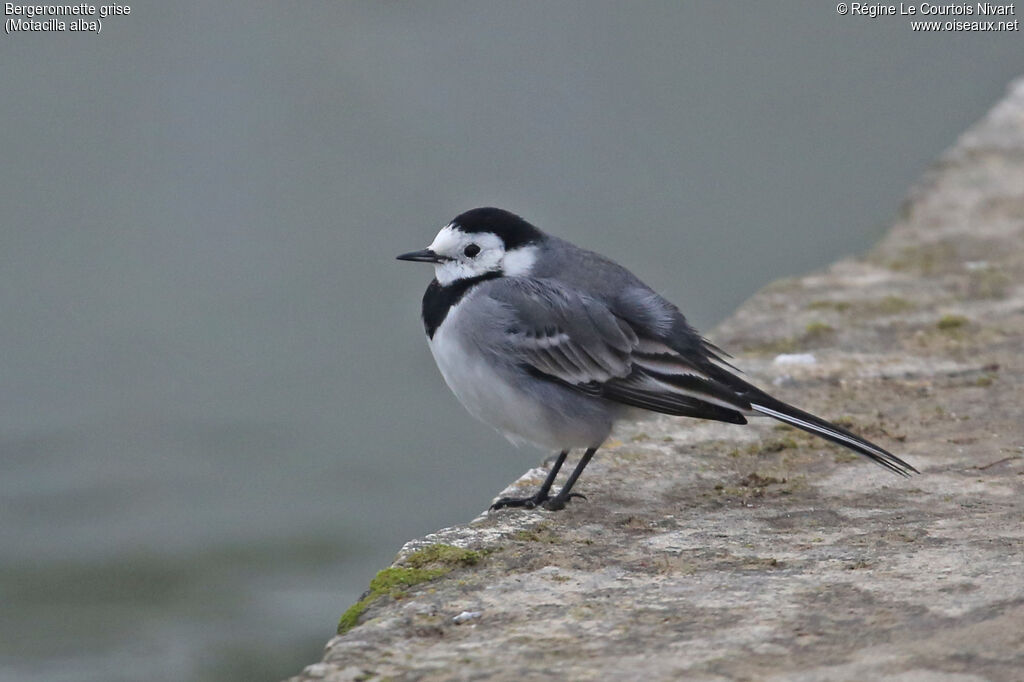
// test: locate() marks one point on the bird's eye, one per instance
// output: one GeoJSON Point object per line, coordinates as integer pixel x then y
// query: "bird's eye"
{"type": "Point", "coordinates": [471, 250]}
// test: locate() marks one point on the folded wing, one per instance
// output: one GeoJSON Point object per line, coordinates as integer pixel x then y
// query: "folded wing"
{"type": "Point", "coordinates": [560, 334]}
{"type": "Point", "coordinates": [563, 335]}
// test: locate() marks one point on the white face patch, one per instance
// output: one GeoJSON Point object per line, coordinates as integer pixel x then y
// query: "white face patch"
{"type": "Point", "coordinates": [451, 243]}
{"type": "Point", "coordinates": [519, 262]}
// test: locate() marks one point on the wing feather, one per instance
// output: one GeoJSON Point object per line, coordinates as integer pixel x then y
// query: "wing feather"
{"type": "Point", "coordinates": [563, 335]}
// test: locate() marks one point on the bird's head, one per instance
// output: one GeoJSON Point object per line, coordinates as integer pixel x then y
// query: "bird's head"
{"type": "Point", "coordinates": [479, 242]}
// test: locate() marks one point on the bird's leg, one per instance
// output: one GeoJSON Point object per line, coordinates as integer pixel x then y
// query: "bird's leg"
{"type": "Point", "coordinates": [564, 495]}
{"type": "Point", "coordinates": [541, 496]}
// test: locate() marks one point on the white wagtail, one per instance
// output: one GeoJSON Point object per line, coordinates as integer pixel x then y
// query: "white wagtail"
{"type": "Point", "coordinates": [552, 344]}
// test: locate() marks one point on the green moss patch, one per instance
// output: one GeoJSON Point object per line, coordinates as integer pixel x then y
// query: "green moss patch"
{"type": "Point", "coordinates": [777, 445]}
{"type": "Point", "coordinates": [446, 555]}
{"type": "Point", "coordinates": [817, 330]}
{"type": "Point", "coordinates": [350, 618]}
{"type": "Point", "coordinates": [422, 566]}
{"type": "Point", "coordinates": [951, 322]}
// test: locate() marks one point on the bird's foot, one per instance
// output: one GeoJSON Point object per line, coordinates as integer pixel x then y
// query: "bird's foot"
{"type": "Point", "coordinates": [558, 502]}
{"type": "Point", "coordinates": [539, 500]}
{"type": "Point", "coordinates": [531, 502]}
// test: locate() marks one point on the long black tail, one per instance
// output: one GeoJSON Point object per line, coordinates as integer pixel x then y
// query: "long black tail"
{"type": "Point", "coordinates": [806, 421]}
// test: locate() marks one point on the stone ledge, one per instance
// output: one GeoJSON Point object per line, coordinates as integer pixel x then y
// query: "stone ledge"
{"type": "Point", "coordinates": [715, 552]}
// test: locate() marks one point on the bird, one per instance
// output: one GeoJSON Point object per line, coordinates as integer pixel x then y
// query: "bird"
{"type": "Point", "coordinates": [552, 344]}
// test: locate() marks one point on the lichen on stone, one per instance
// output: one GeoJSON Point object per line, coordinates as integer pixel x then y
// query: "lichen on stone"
{"type": "Point", "coordinates": [421, 566]}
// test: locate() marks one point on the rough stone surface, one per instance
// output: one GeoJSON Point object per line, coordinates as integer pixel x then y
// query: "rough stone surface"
{"type": "Point", "coordinates": [716, 552]}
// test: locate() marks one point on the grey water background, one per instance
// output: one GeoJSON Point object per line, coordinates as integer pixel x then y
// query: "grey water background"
{"type": "Point", "coordinates": [218, 415]}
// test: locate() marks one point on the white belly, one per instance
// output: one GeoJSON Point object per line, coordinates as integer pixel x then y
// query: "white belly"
{"type": "Point", "coordinates": [488, 395]}
{"type": "Point", "coordinates": [522, 408]}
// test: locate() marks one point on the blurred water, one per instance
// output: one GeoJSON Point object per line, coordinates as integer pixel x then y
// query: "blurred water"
{"type": "Point", "coordinates": [218, 416]}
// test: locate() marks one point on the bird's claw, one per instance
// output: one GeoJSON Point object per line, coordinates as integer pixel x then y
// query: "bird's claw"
{"type": "Point", "coordinates": [558, 502]}
{"type": "Point", "coordinates": [531, 502]}
{"type": "Point", "coordinates": [546, 501]}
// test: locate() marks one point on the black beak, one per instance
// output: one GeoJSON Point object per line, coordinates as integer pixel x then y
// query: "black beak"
{"type": "Point", "coordinates": [422, 256]}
